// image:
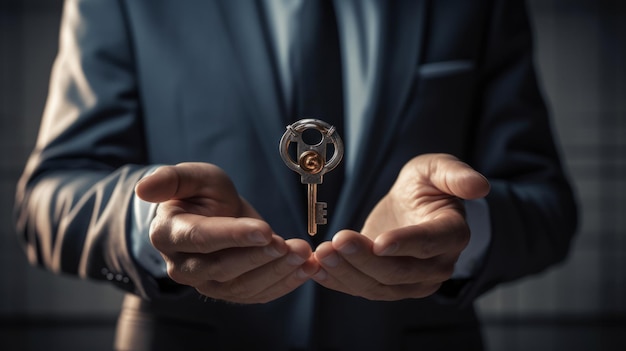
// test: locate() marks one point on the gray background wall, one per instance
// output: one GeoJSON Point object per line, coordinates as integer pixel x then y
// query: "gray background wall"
{"type": "Point", "coordinates": [580, 305]}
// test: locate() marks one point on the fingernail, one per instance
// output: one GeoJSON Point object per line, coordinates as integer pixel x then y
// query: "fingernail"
{"type": "Point", "coordinates": [390, 249]}
{"type": "Point", "coordinates": [348, 248]}
{"type": "Point", "coordinates": [257, 237]}
{"type": "Point", "coordinates": [301, 274]}
{"type": "Point", "coordinates": [295, 260]}
{"type": "Point", "coordinates": [332, 260]}
{"type": "Point", "coordinates": [272, 251]}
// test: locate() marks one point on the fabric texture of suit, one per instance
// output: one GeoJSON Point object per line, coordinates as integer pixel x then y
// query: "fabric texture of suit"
{"type": "Point", "coordinates": [140, 83]}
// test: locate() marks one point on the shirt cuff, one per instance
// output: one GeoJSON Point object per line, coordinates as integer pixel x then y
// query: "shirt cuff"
{"type": "Point", "coordinates": [470, 260]}
{"type": "Point", "coordinates": [141, 248]}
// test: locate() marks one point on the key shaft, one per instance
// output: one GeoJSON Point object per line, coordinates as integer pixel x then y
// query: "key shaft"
{"type": "Point", "coordinates": [312, 201]}
{"type": "Point", "coordinates": [316, 210]}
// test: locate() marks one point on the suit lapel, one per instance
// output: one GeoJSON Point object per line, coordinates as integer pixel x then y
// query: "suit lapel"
{"type": "Point", "coordinates": [246, 26]}
{"type": "Point", "coordinates": [403, 25]}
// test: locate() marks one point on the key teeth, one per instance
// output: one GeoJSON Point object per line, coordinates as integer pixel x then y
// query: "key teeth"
{"type": "Point", "coordinates": [320, 213]}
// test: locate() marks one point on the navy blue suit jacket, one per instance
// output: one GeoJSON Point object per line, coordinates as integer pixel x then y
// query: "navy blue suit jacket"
{"type": "Point", "coordinates": [139, 83]}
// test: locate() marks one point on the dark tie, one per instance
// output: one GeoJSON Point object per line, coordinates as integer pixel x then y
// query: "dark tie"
{"type": "Point", "coordinates": [316, 66]}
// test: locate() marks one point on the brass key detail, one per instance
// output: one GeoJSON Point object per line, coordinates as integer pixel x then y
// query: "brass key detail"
{"type": "Point", "coordinates": [312, 163]}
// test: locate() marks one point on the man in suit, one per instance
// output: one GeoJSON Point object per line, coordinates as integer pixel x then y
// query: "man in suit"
{"type": "Point", "coordinates": [157, 169]}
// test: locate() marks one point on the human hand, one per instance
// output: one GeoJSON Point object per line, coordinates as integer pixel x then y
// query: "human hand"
{"type": "Point", "coordinates": [412, 238]}
{"type": "Point", "coordinates": [213, 240]}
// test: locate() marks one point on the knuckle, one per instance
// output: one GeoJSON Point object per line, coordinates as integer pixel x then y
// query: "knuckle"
{"type": "Point", "coordinates": [159, 234]}
{"type": "Point", "coordinates": [217, 270]}
{"type": "Point", "coordinates": [196, 237]}
{"type": "Point", "coordinates": [177, 274]}
{"type": "Point", "coordinates": [184, 270]}
{"type": "Point", "coordinates": [238, 289]}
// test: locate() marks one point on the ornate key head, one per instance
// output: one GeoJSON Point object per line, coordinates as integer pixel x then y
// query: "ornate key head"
{"type": "Point", "coordinates": [312, 163]}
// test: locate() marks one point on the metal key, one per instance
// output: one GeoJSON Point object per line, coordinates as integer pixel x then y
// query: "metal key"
{"type": "Point", "coordinates": [312, 163]}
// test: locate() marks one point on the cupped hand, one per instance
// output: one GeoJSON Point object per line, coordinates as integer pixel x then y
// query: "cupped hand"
{"type": "Point", "coordinates": [412, 238]}
{"type": "Point", "coordinates": [213, 240]}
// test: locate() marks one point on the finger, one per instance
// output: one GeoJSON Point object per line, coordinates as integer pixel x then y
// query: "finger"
{"type": "Point", "coordinates": [245, 287]}
{"type": "Point", "coordinates": [448, 174]}
{"type": "Point", "coordinates": [357, 251]}
{"type": "Point", "coordinates": [190, 233]}
{"type": "Point", "coordinates": [445, 235]}
{"type": "Point", "coordinates": [338, 274]}
{"type": "Point", "coordinates": [224, 265]}
{"type": "Point", "coordinates": [289, 283]}
{"type": "Point", "coordinates": [332, 269]}
{"type": "Point", "coordinates": [379, 292]}
{"type": "Point", "coordinates": [185, 180]}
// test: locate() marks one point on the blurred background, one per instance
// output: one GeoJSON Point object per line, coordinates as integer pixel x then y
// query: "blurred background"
{"type": "Point", "coordinates": [579, 305]}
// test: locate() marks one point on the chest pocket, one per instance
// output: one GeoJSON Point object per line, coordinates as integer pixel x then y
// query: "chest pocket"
{"type": "Point", "coordinates": [439, 114]}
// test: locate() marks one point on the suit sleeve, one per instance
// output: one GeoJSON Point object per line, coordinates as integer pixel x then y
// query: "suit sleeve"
{"type": "Point", "coordinates": [532, 206]}
{"type": "Point", "coordinates": [73, 200]}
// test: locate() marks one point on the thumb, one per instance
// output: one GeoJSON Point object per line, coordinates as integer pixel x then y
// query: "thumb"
{"type": "Point", "coordinates": [184, 180]}
{"type": "Point", "coordinates": [452, 176]}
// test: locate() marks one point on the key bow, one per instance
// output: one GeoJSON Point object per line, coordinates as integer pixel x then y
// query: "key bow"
{"type": "Point", "coordinates": [309, 153]}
